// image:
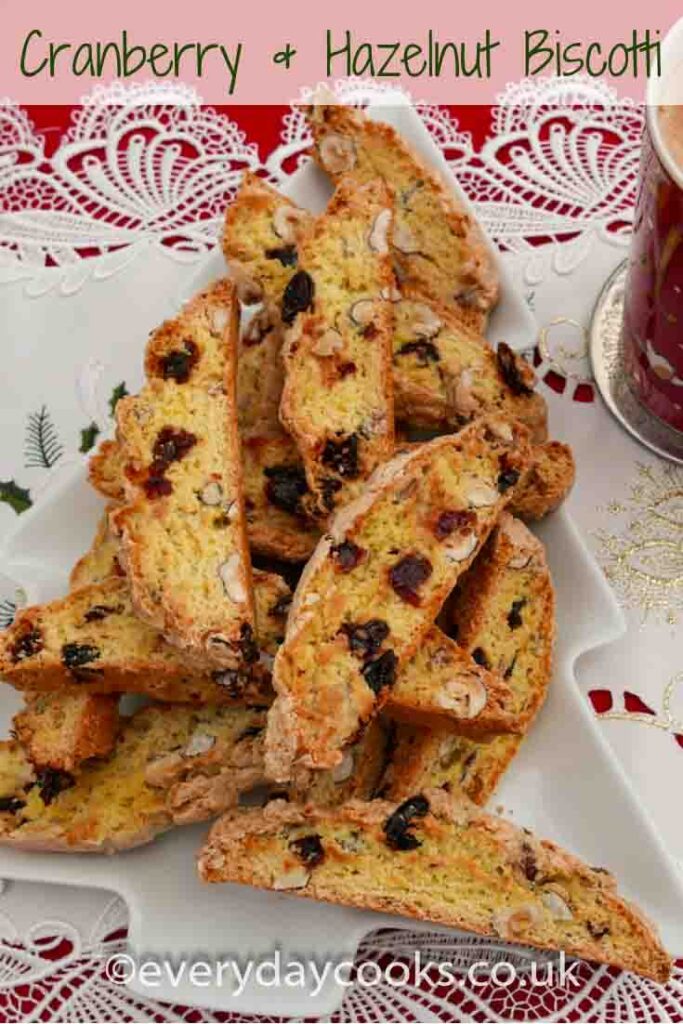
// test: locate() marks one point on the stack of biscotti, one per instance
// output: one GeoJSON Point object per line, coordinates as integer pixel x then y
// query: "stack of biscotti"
{"type": "Point", "coordinates": [416, 650]}
{"type": "Point", "coordinates": [397, 550]}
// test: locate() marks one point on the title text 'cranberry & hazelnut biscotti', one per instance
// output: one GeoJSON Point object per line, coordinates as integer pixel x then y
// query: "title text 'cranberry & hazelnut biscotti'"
{"type": "Point", "coordinates": [393, 555]}
{"type": "Point", "coordinates": [436, 245]}
{"type": "Point", "coordinates": [437, 858]}
{"type": "Point", "coordinates": [337, 401]}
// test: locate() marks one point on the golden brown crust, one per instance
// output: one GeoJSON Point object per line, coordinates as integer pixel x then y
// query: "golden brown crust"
{"type": "Point", "coordinates": [437, 858]}
{"type": "Point", "coordinates": [92, 642]}
{"type": "Point", "coordinates": [438, 247]}
{"type": "Point", "coordinates": [445, 374]}
{"type": "Point", "coordinates": [546, 483]}
{"type": "Point", "coordinates": [337, 401]}
{"type": "Point", "coordinates": [61, 730]}
{"type": "Point", "coordinates": [101, 558]}
{"type": "Point", "coordinates": [449, 498]}
{"type": "Point", "coordinates": [105, 471]}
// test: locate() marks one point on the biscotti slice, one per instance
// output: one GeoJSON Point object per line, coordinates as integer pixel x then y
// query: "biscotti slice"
{"type": "Point", "coordinates": [260, 243]}
{"type": "Point", "coordinates": [355, 778]}
{"type": "Point", "coordinates": [437, 246]}
{"type": "Point", "coordinates": [214, 787]}
{"type": "Point", "coordinates": [195, 346]}
{"type": "Point", "coordinates": [445, 374]}
{"type": "Point", "coordinates": [337, 401]}
{"type": "Point", "coordinates": [275, 499]}
{"type": "Point", "coordinates": [441, 683]}
{"type": "Point", "coordinates": [100, 560]}
{"type": "Point", "coordinates": [105, 471]}
{"type": "Point", "coordinates": [182, 530]}
{"type": "Point", "coordinates": [127, 798]}
{"type": "Point", "coordinates": [393, 555]}
{"type": "Point", "coordinates": [60, 730]}
{"type": "Point", "coordinates": [503, 615]}
{"type": "Point", "coordinates": [92, 641]}
{"type": "Point", "coordinates": [260, 240]}
{"type": "Point", "coordinates": [546, 483]}
{"type": "Point", "coordinates": [437, 858]}
{"type": "Point", "coordinates": [440, 758]}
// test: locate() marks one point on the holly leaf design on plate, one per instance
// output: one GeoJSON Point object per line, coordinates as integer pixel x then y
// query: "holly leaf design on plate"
{"type": "Point", "coordinates": [88, 437]}
{"type": "Point", "coordinates": [18, 498]}
{"type": "Point", "coordinates": [119, 392]}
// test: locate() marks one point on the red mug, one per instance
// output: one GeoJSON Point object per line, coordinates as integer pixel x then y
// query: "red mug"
{"type": "Point", "coordinates": [652, 330]}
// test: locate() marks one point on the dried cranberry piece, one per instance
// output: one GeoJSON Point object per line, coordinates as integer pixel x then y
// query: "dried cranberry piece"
{"type": "Point", "coordinates": [510, 371]}
{"type": "Point", "coordinates": [77, 655]}
{"type": "Point", "coordinates": [409, 574]}
{"type": "Point", "coordinates": [99, 612]}
{"type": "Point", "coordinates": [527, 862]}
{"type": "Point", "coordinates": [309, 849]}
{"type": "Point", "coordinates": [381, 672]}
{"type": "Point", "coordinates": [342, 456]}
{"type": "Point", "coordinates": [298, 296]}
{"type": "Point", "coordinates": [27, 645]}
{"type": "Point", "coordinates": [286, 254]}
{"type": "Point", "coordinates": [509, 474]}
{"type": "Point", "coordinates": [507, 479]}
{"type": "Point", "coordinates": [365, 638]}
{"type": "Point", "coordinates": [171, 445]}
{"type": "Point", "coordinates": [157, 486]}
{"type": "Point", "coordinates": [11, 804]}
{"type": "Point", "coordinates": [479, 656]}
{"type": "Point", "coordinates": [597, 931]}
{"type": "Point", "coordinates": [247, 643]}
{"type": "Point", "coordinates": [453, 519]}
{"type": "Point", "coordinates": [178, 363]}
{"type": "Point", "coordinates": [514, 616]}
{"type": "Point", "coordinates": [347, 555]}
{"type": "Point", "coordinates": [329, 487]}
{"type": "Point", "coordinates": [346, 369]}
{"type": "Point", "coordinates": [424, 351]}
{"type": "Point", "coordinates": [370, 331]}
{"type": "Point", "coordinates": [285, 487]}
{"type": "Point", "coordinates": [397, 827]}
{"type": "Point", "coordinates": [51, 783]}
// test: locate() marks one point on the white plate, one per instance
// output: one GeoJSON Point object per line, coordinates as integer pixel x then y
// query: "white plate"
{"type": "Point", "coordinates": [565, 783]}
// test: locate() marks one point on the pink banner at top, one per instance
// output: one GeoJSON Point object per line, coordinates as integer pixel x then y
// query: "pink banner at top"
{"type": "Point", "coordinates": [266, 52]}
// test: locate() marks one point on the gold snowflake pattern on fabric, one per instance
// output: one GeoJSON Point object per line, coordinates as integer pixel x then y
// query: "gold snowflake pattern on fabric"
{"type": "Point", "coordinates": [642, 556]}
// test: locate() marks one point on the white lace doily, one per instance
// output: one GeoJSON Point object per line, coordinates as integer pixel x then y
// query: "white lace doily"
{"type": "Point", "coordinates": [554, 183]}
